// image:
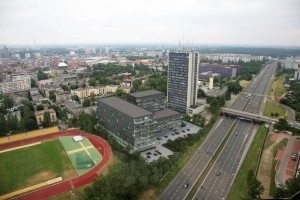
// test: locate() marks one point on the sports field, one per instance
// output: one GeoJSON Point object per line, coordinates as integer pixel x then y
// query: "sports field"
{"type": "Point", "coordinates": [82, 154]}
{"type": "Point", "coordinates": [32, 165]}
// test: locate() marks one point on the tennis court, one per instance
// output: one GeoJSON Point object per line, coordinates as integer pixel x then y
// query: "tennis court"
{"type": "Point", "coordinates": [82, 154]}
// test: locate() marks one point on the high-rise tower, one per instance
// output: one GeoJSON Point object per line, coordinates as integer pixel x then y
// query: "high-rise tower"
{"type": "Point", "coordinates": [182, 80]}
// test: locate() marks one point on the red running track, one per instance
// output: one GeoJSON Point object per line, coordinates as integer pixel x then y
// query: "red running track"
{"type": "Point", "coordinates": [100, 144]}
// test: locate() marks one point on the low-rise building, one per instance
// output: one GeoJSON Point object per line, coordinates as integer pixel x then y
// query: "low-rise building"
{"type": "Point", "coordinates": [39, 115]}
{"type": "Point", "coordinates": [74, 108]}
{"type": "Point", "coordinates": [43, 83]}
{"type": "Point", "coordinates": [112, 88]}
{"type": "Point", "coordinates": [86, 92]}
{"type": "Point", "coordinates": [63, 97]}
{"type": "Point", "coordinates": [19, 84]}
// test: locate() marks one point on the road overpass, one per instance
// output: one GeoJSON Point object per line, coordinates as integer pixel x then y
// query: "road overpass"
{"type": "Point", "coordinates": [254, 117]}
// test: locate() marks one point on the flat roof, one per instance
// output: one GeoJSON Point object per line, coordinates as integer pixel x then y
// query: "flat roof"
{"type": "Point", "coordinates": [145, 93]}
{"type": "Point", "coordinates": [166, 112]}
{"type": "Point", "coordinates": [125, 107]}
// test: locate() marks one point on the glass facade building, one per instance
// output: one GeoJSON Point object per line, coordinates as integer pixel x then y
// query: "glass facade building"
{"type": "Point", "coordinates": [182, 80]}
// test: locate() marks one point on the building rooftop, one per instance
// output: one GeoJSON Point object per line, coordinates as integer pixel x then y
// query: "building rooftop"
{"type": "Point", "coordinates": [145, 93]}
{"type": "Point", "coordinates": [41, 112]}
{"type": "Point", "coordinates": [125, 107]}
{"type": "Point", "coordinates": [166, 112]}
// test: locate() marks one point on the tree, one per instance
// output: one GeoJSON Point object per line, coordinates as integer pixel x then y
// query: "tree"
{"type": "Point", "coordinates": [41, 75]}
{"type": "Point", "coordinates": [120, 92]}
{"type": "Point", "coordinates": [92, 82]}
{"type": "Point", "coordinates": [65, 87]}
{"type": "Point", "coordinates": [52, 96]}
{"type": "Point", "coordinates": [33, 83]}
{"type": "Point", "coordinates": [64, 115]}
{"type": "Point", "coordinates": [255, 187]}
{"type": "Point", "coordinates": [76, 98]}
{"type": "Point", "coordinates": [3, 125]}
{"type": "Point", "coordinates": [40, 107]}
{"type": "Point", "coordinates": [228, 96]}
{"type": "Point", "coordinates": [7, 102]}
{"type": "Point", "coordinates": [47, 120]}
{"type": "Point", "coordinates": [291, 187]}
{"type": "Point", "coordinates": [86, 102]}
{"type": "Point", "coordinates": [201, 93]}
{"type": "Point", "coordinates": [214, 106]}
{"type": "Point", "coordinates": [234, 87]}
{"type": "Point", "coordinates": [92, 98]}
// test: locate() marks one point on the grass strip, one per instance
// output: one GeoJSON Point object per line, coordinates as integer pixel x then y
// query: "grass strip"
{"type": "Point", "coordinates": [239, 187]}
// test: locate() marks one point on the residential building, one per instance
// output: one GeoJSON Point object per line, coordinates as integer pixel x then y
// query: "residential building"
{"type": "Point", "coordinates": [63, 97]}
{"type": "Point", "coordinates": [43, 83]}
{"type": "Point", "coordinates": [151, 100]}
{"type": "Point", "coordinates": [19, 84]}
{"type": "Point", "coordinates": [131, 125]}
{"type": "Point", "coordinates": [74, 108]}
{"type": "Point", "coordinates": [112, 88]}
{"type": "Point", "coordinates": [182, 80]}
{"type": "Point", "coordinates": [86, 92]}
{"type": "Point", "coordinates": [39, 115]}
{"type": "Point", "coordinates": [297, 75]}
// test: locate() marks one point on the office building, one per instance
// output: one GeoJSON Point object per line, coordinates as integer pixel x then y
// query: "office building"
{"type": "Point", "coordinates": [230, 71]}
{"type": "Point", "coordinates": [131, 125]}
{"type": "Point", "coordinates": [182, 80]}
{"type": "Point", "coordinates": [18, 84]}
{"type": "Point", "coordinates": [151, 100]}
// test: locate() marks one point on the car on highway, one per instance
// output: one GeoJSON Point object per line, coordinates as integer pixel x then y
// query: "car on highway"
{"type": "Point", "coordinates": [186, 185]}
{"type": "Point", "coordinates": [218, 173]}
{"type": "Point", "coordinates": [236, 133]}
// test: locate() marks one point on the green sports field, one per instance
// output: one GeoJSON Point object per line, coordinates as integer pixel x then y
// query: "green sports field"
{"type": "Point", "coordinates": [32, 165]}
{"type": "Point", "coordinates": [81, 151]}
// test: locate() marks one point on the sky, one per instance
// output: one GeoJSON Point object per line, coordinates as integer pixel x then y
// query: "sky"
{"type": "Point", "coordinates": [228, 22]}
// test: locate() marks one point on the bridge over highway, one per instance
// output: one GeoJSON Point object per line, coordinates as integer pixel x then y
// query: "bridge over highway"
{"type": "Point", "coordinates": [254, 117]}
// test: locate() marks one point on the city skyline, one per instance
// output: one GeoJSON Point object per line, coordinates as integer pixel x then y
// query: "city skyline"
{"type": "Point", "coordinates": [234, 22]}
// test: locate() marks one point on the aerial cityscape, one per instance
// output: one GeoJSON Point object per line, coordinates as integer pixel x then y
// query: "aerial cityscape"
{"type": "Point", "coordinates": [136, 100]}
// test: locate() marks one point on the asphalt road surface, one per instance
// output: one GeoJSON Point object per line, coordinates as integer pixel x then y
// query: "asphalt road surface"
{"type": "Point", "coordinates": [236, 144]}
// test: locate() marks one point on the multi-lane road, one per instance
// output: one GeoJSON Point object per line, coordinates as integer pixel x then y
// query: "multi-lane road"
{"type": "Point", "coordinates": [218, 180]}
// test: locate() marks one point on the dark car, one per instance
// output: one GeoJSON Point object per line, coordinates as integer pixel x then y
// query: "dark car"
{"type": "Point", "coordinates": [169, 156]}
{"type": "Point", "coordinates": [188, 129]}
{"type": "Point", "coordinates": [148, 153]}
{"type": "Point", "coordinates": [158, 138]}
{"type": "Point", "coordinates": [158, 153]}
{"type": "Point", "coordinates": [155, 154]}
{"type": "Point", "coordinates": [166, 136]}
{"type": "Point", "coordinates": [177, 133]}
{"type": "Point", "coordinates": [183, 131]}
{"type": "Point", "coordinates": [148, 156]}
{"type": "Point", "coordinates": [186, 185]}
{"type": "Point", "coordinates": [173, 133]}
{"type": "Point", "coordinates": [218, 173]}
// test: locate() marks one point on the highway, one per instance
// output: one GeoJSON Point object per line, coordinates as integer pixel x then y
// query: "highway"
{"type": "Point", "coordinates": [236, 143]}
{"type": "Point", "coordinates": [233, 154]}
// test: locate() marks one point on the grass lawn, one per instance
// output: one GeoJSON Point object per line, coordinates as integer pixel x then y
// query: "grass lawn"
{"type": "Point", "coordinates": [278, 146]}
{"type": "Point", "coordinates": [273, 107]}
{"type": "Point", "coordinates": [244, 83]}
{"type": "Point", "coordinates": [269, 142]}
{"type": "Point", "coordinates": [239, 187]}
{"type": "Point", "coordinates": [28, 166]}
{"type": "Point", "coordinates": [280, 89]}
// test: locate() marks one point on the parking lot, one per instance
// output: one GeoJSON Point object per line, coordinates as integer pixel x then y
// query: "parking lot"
{"type": "Point", "coordinates": [181, 132]}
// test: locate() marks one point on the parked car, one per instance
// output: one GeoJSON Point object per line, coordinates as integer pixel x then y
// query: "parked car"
{"type": "Point", "coordinates": [188, 129]}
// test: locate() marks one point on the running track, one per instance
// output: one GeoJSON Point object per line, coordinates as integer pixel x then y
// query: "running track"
{"type": "Point", "coordinates": [44, 193]}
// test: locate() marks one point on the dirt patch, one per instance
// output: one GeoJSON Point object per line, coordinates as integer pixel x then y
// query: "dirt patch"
{"type": "Point", "coordinates": [40, 177]}
{"type": "Point", "coordinates": [112, 161]}
{"type": "Point", "coordinates": [76, 194]}
{"type": "Point", "coordinates": [69, 172]}
{"type": "Point", "coordinates": [148, 194]}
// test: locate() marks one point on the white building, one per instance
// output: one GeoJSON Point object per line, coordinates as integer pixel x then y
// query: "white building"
{"type": "Point", "coordinates": [27, 55]}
